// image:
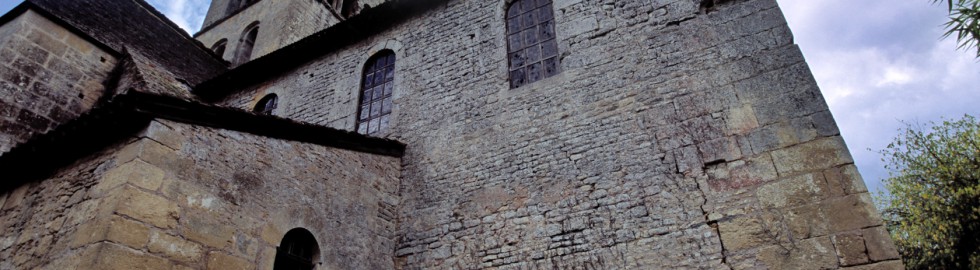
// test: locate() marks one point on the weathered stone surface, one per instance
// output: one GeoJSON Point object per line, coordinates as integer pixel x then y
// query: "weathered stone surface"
{"type": "Point", "coordinates": [819, 154]}
{"type": "Point", "coordinates": [742, 233]}
{"type": "Point", "coordinates": [793, 191]}
{"type": "Point", "coordinates": [218, 261]}
{"type": "Point", "coordinates": [174, 248]}
{"type": "Point", "coordinates": [115, 257]}
{"type": "Point", "coordinates": [889, 265]}
{"type": "Point", "coordinates": [851, 212]}
{"type": "Point", "coordinates": [136, 172]}
{"type": "Point", "coordinates": [149, 208]}
{"type": "Point", "coordinates": [813, 253]}
{"type": "Point", "coordinates": [850, 249]}
{"type": "Point", "coordinates": [126, 232]}
{"type": "Point", "coordinates": [44, 70]}
{"type": "Point", "coordinates": [879, 243]}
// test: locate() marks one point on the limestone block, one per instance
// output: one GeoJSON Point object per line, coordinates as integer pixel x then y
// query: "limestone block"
{"type": "Point", "coordinates": [149, 208]}
{"type": "Point", "coordinates": [851, 212]}
{"type": "Point", "coordinates": [880, 245]}
{"type": "Point", "coordinates": [814, 155]}
{"type": "Point", "coordinates": [126, 232]}
{"type": "Point", "coordinates": [745, 173]}
{"type": "Point", "coordinates": [52, 45]}
{"type": "Point", "coordinates": [742, 233]}
{"type": "Point", "coordinates": [204, 228]}
{"type": "Point", "coordinates": [165, 135]}
{"type": "Point", "coordinates": [807, 221]}
{"type": "Point", "coordinates": [218, 261]}
{"type": "Point", "coordinates": [721, 149]}
{"type": "Point", "coordinates": [850, 249]}
{"type": "Point", "coordinates": [793, 191]}
{"type": "Point", "coordinates": [115, 257]}
{"type": "Point", "coordinates": [813, 253]}
{"type": "Point", "coordinates": [16, 197]}
{"type": "Point", "coordinates": [136, 172]}
{"type": "Point", "coordinates": [888, 265]}
{"type": "Point", "coordinates": [741, 120]}
{"type": "Point", "coordinates": [174, 248]}
{"type": "Point", "coordinates": [852, 181]}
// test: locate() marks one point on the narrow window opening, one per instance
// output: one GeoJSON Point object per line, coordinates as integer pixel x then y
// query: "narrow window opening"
{"type": "Point", "coordinates": [233, 5]}
{"type": "Point", "coordinates": [246, 44]}
{"type": "Point", "coordinates": [377, 85]}
{"type": "Point", "coordinates": [532, 47]}
{"type": "Point", "coordinates": [219, 48]}
{"type": "Point", "coordinates": [297, 250]}
{"type": "Point", "coordinates": [267, 105]}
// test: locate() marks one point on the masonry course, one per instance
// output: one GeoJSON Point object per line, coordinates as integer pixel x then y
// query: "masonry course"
{"type": "Point", "coordinates": [678, 134]}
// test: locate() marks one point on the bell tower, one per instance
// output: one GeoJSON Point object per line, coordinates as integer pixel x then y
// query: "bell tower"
{"type": "Point", "coordinates": [241, 30]}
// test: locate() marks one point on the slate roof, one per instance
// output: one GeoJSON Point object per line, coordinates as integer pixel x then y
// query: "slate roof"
{"type": "Point", "coordinates": [136, 26]}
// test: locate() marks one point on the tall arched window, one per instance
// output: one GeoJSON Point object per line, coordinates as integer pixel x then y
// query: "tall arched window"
{"type": "Point", "coordinates": [532, 49]}
{"type": "Point", "coordinates": [298, 250]}
{"type": "Point", "coordinates": [267, 105]}
{"type": "Point", "coordinates": [376, 87]}
{"type": "Point", "coordinates": [246, 43]}
{"type": "Point", "coordinates": [219, 48]}
{"type": "Point", "coordinates": [233, 5]}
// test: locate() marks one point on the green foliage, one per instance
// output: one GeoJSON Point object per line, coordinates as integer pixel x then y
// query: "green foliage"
{"type": "Point", "coordinates": [964, 23]}
{"type": "Point", "coordinates": [932, 207]}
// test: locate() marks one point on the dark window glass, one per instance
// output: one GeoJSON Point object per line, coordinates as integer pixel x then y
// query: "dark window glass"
{"type": "Point", "coordinates": [297, 251]}
{"type": "Point", "coordinates": [532, 49]}
{"type": "Point", "coordinates": [245, 44]}
{"type": "Point", "coordinates": [219, 48]}
{"type": "Point", "coordinates": [267, 105]}
{"type": "Point", "coordinates": [376, 91]}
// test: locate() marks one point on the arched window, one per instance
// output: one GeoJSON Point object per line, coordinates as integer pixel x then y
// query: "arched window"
{"type": "Point", "coordinates": [267, 104]}
{"type": "Point", "coordinates": [376, 88]}
{"type": "Point", "coordinates": [219, 48]}
{"type": "Point", "coordinates": [233, 5]}
{"type": "Point", "coordinates": [246, 43]}
{"type": "Point", "coordinates": [532, 49]}
{"type": "Point", "coordinates": [297, 250]}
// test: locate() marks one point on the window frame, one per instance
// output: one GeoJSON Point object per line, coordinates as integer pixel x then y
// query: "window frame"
{"type": "Point", "coordinates": [363, 124]}
{"type": "Point", "coordinates": [532, 53]}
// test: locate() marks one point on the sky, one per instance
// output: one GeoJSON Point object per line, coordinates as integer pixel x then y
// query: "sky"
{"type": "Point", "coordinates": [878, 63]}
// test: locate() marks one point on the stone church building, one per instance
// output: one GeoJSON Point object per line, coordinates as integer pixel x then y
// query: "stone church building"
{"type": "Point", "coordinates": [411, 134]}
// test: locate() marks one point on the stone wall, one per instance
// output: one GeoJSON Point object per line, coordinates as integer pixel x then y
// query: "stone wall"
{"type": "Point", "coordinates": [677, 135]}
{"type": "Point", "coordinates": [187, 197]}
{"type": "Point", "coordinates": [280, 23]}
{"type": "Point", "coordinates": [48, 75]}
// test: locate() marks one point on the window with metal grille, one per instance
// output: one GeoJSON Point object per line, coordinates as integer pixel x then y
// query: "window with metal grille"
{"type": "Point", "coordinates": [267, 104]}
{"type": "Point", "coordinates": [377, 85]}
{"type": "Point", "coordinates": [297, 250]}
{"type": "Point", "coordinates": [532, 49]}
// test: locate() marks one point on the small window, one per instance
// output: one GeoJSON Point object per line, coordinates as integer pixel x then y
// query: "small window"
{"type": "Point", "coordinates": [377, 86]}
{"type": "Point", "coordinates": [267, 105]}
{"type": "Point", "coordinates": [297, 250]}
{"type": "Point", "coordinates": [246, 43]}
{"type": "Point", "coordinates": [219, 48]}
{"type": "Point", "coordinates": [532, 49]}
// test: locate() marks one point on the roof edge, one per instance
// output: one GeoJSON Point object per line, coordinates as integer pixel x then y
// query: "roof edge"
{"type": "Point", "coordinates": [126, 115]}
{"type": "Point", "coordinates": [367, 24]}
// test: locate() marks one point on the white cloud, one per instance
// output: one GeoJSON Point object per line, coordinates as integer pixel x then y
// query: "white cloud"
{"type": "Point", "coordinates": [188, 14]}
{"type": "Point", "coordinates": [880, 62]}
